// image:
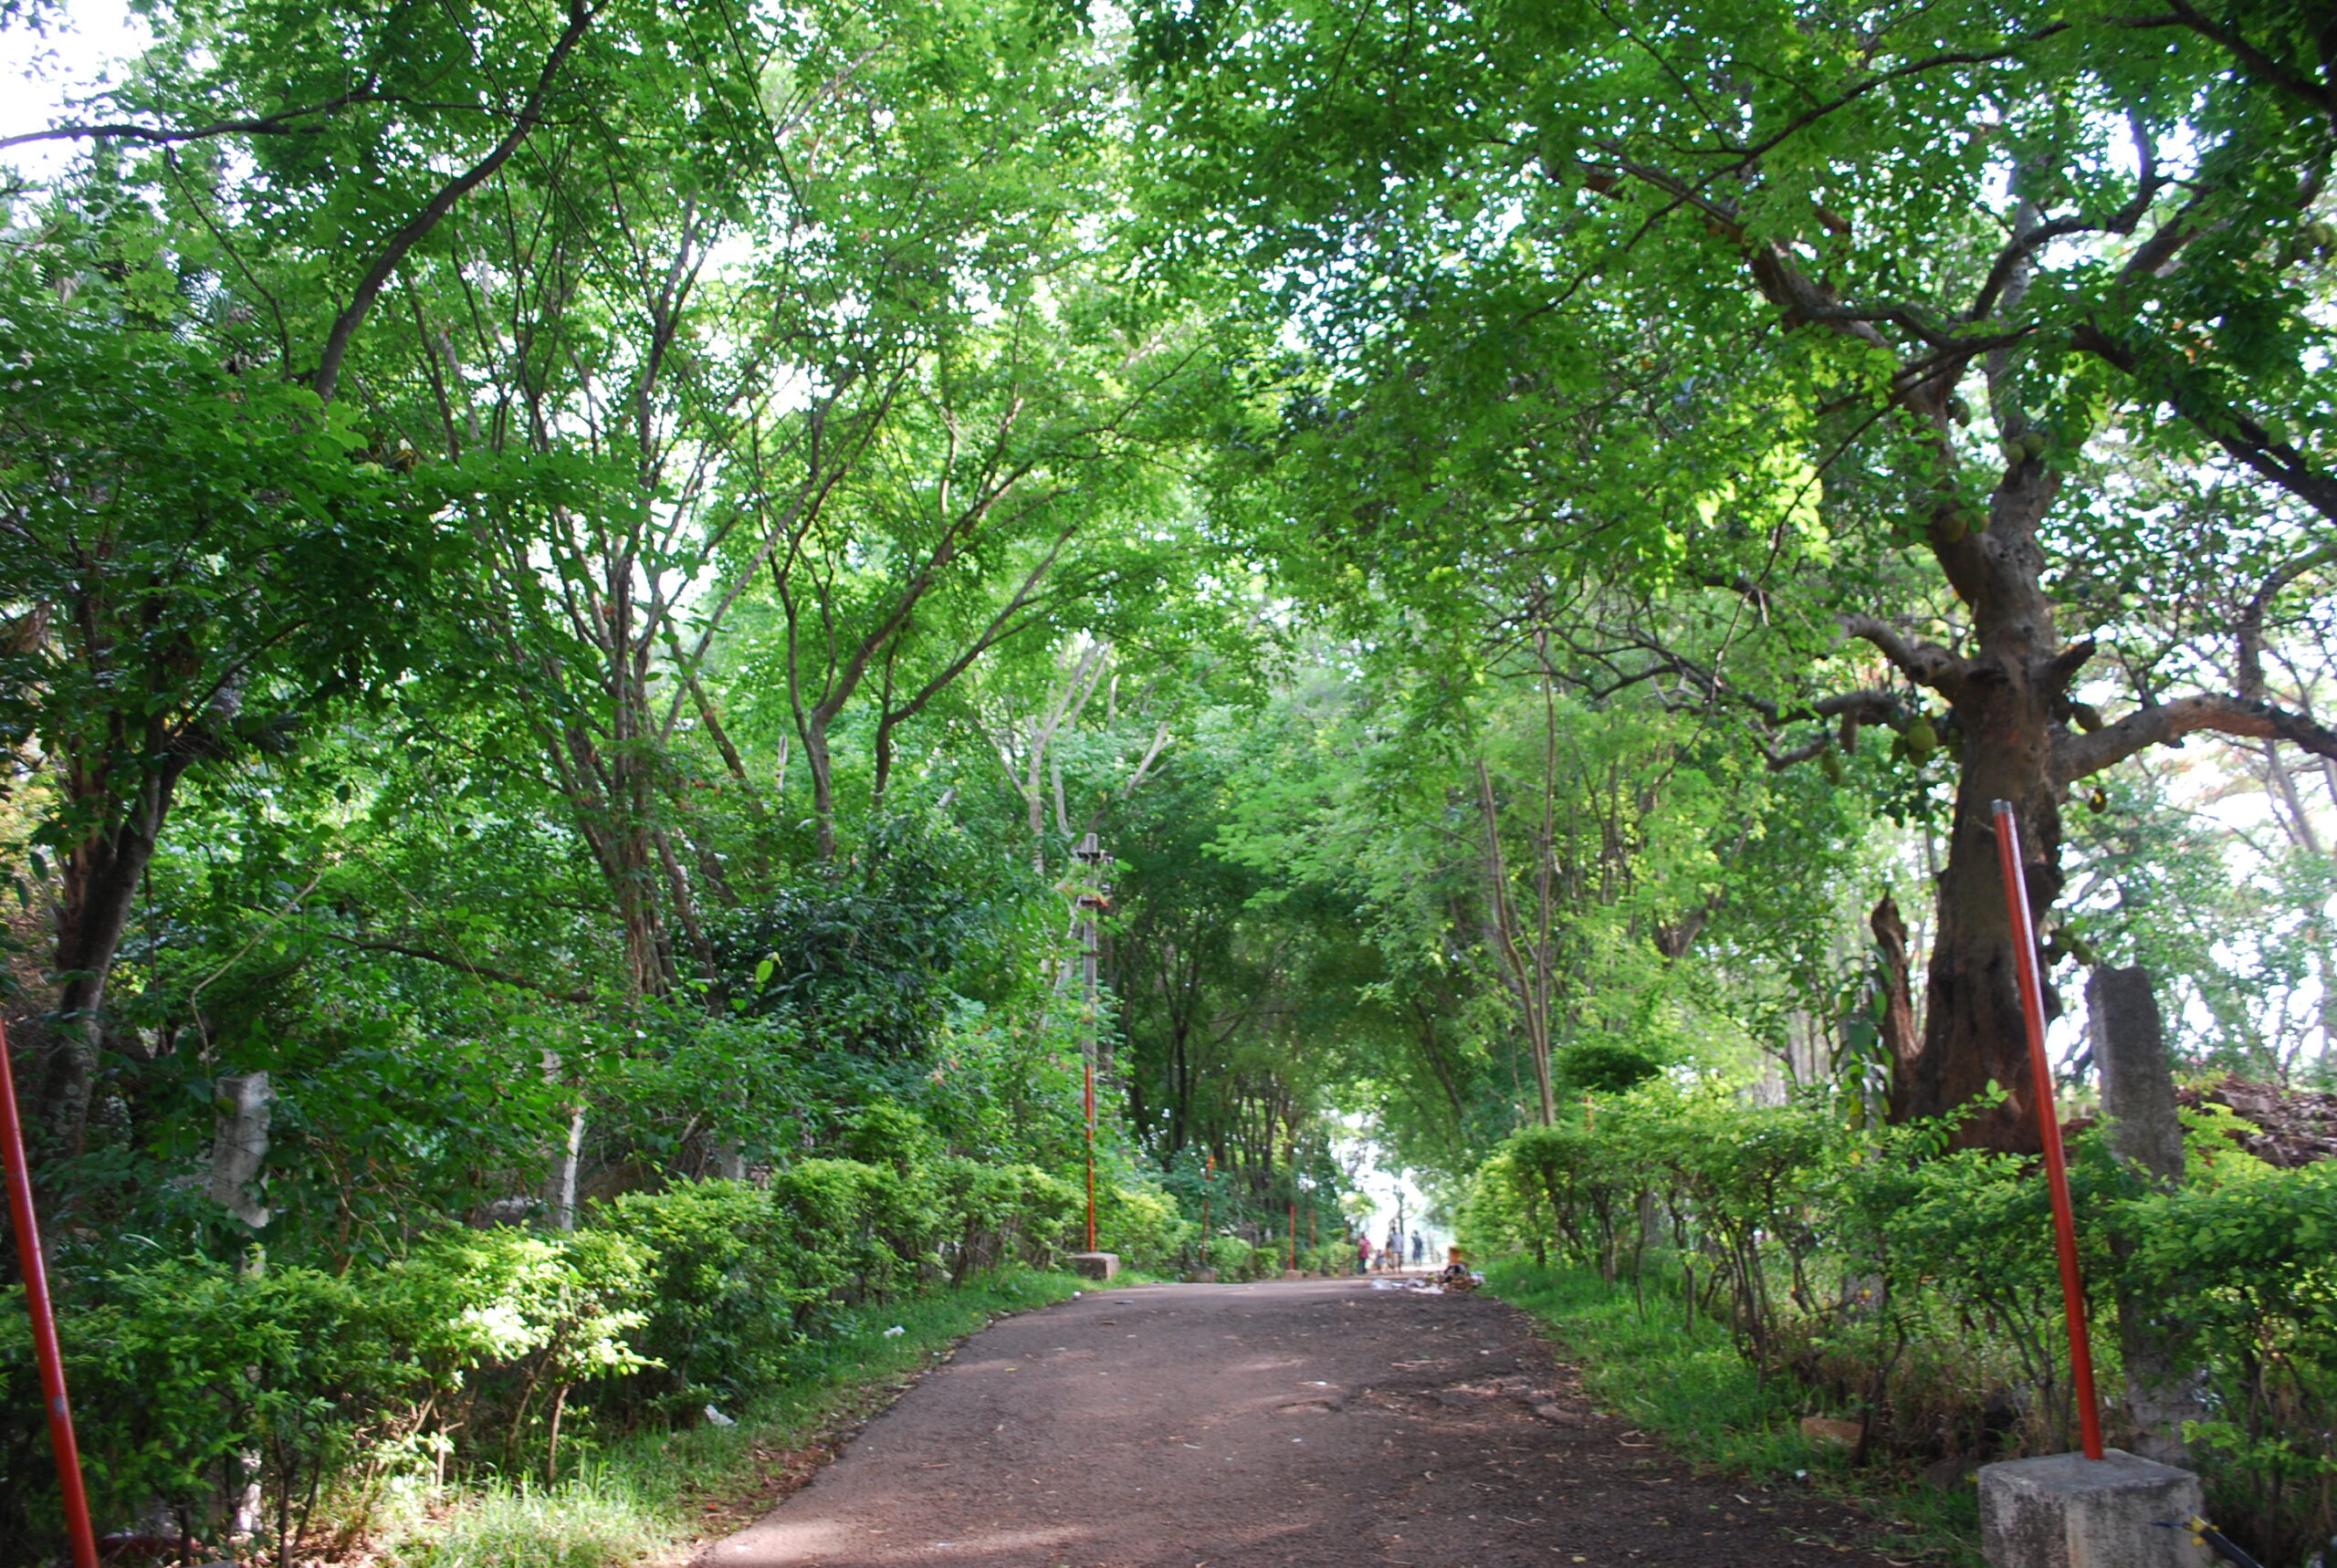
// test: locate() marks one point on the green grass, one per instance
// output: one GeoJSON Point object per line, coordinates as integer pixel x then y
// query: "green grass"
{"type": "Point", "coordinates": [645, 1499]}
{"type": "Point", "coordinates": [1691, 1388]}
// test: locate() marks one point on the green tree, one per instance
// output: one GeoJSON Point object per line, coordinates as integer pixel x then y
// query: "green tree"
{"type": "Point", "coordinates": [1824, 318]}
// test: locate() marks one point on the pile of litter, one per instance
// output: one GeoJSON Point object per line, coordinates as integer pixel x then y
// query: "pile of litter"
{"type": "Point", "coordinates": [1421, 1287]}
{"type": "Point", "coordinates": [2295, 1126]}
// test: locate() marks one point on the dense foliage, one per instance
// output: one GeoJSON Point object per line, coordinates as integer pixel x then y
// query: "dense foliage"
{"type": "Point", "coordinates": [1916, 1290]}
{"type": "Point", "coordinates": [630, 634]}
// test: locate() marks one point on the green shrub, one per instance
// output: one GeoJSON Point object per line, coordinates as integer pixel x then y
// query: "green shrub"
{"type": "Point", "coordinates": [192, 1379]}
{"type": "Point", "coordinates": [731, 1285]}
{"type": "Point", "coordinates": [1142, 1225]}
{"type": "Point", "coordinates": [1331, 1258]}
{"type": "Point", "coordinates": [2246, 1272]}
{"type": "Point", "coordinates": [1885, 1275]}
{"type": "Point", "coordinates": [1002, 1214]}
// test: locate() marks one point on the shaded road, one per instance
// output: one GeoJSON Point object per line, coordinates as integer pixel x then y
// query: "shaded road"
{"type": "Point", "coordinates": [1316, 1422]}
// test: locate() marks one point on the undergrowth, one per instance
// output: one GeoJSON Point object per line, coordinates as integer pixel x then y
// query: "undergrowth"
{"type": "Point", "coordinates": [646, 1498]}
{"type": "Point", "coordinates": [1689, 1385]}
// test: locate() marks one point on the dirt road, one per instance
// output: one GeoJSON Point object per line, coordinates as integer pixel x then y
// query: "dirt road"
{"type": "Point", "coordinates": [1318, 1422]}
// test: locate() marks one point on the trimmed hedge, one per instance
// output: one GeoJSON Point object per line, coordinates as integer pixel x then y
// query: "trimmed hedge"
{"type": "Point", "coordinates": [1917, 1286]}
{"type": "Point", "coordinates": [482, 1351]}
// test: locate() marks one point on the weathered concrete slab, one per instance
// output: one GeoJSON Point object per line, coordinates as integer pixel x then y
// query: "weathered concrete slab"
{"type": "Point", "coordinates": [1094, 1265]}
{"type": "Point", "coordinates": [2065, 1510]}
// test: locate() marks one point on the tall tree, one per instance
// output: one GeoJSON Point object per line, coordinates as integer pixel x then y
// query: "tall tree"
{"type": "Point", "coordinates": [1843, 297]}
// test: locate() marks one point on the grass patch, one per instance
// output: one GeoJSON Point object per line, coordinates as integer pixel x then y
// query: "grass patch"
{"type": "Point", "coordinates": [647, 1498]}
{"type": "Point", "coordinates": [1690, 1387]}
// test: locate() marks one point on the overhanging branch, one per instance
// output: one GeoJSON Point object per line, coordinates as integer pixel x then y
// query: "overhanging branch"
{"type": "Point", "coordinates": [2075, 756]}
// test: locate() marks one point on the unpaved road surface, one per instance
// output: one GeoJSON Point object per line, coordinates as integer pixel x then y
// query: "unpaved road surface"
{"type": "Point", "coordinates": [1316, 1422]}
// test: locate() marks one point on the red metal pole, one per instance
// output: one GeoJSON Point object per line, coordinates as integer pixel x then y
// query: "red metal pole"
{"type": "Point", "coordinates": [1209, 1181]}
{"type": "Point", "coordinates": [44, 1316]}
{"type": "Point", "coordinates": [1091, 1154]}
{"type": "Point", "coordinates": [2049, 1124]}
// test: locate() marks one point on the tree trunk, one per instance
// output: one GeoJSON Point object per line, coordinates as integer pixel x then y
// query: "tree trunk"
{"type": "Point", "coordinates": [1899, 1037]}
{"type": "Point", "coordinates": [2005, 702]}
{"type": "Point", "coordinates": [100, 884]}
{"type": "Point", "coordinates": [239, 1147]}
{"type": "Point", "coordinates": [822, 767]}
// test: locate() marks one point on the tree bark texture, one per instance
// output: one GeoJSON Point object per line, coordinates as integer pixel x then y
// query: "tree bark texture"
{"type": "Point", "coordinates": [100, 883]}
{"type": "Point", "coordinates": [2005, 700]}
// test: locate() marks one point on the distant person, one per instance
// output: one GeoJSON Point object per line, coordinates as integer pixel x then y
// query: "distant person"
{"type": "Point", "coordinates": [1419, 1250]}
{"type": "Point", "coordinates": [1455, 1275]}
{"type": "Point", "coordinates": [1363, 1254]}
{"type": "Point", "coordinates": [1392, 1255]}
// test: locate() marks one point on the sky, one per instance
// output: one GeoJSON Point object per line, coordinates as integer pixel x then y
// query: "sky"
{"type": "Point", "coordinates": [41, 73]}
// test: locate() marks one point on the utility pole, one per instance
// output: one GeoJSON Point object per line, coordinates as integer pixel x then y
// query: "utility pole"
{"type": "Point", "coordinates": [1092, 900]}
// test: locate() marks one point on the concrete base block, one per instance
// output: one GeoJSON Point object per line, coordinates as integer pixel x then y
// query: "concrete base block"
{"type": "Point", "coordinates": [1202, 1277]}
{"type": "Point", "coordinates": [2065, 1510]}
{"type": "Point", "coordinates": [1292, 1274]}
{"type": "Point", "coordinates": [1094, 1265]}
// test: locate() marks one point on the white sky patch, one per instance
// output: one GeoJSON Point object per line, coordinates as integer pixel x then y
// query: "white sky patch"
{"type": "Point", "coordinates": [80, 54]}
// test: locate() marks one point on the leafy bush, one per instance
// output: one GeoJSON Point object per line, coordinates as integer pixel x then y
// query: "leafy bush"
{"type": "Point", "coordinates": [1887, 1277]}
{"type": "Point", "coordinates": [493, 1349]}
{"type": "Point", "coordinates": [2248, 1272]}
{"type": "Point", "coordinates": [729, 1287]}
{"type": "Point", "coordinates": [1002, 1214]}
{"type": "Point", "coordinates": [1141, 1224]}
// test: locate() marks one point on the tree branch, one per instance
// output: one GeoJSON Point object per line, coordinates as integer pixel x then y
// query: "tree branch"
{"type": "Point", "coordinates": [281, 123]}
{"type": "Point", "coordinates": [1926, 664]}
{"type": "Point", "coordinates": [2163, 724]}
{"type": "Point", "coordinates": [476, 971]}
{"type": "Point", "coordinates": [415, 229]}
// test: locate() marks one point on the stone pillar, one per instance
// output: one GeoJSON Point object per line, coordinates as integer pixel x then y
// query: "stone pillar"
{"type": "Point", "coordinates": [2137, 1076]}
{"type": "Point", "coordinates": [2138, 1097]}
{"type": "Point", "coordinates": [2065, 1510]}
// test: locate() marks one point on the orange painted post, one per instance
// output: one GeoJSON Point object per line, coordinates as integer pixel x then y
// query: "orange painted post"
{"type": "Point", "coordinates": [1209, 1181]}
{"type": "Point", "coordinates": [1091, 904]}
{"type": "Point", "coordinates": [43, 1313]}
{"type": "Point", "coordinates": [2049, 1124]}
{"type": "Point", "coordinates": [1091, 1154]}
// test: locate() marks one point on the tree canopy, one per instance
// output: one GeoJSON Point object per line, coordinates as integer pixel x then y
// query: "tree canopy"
{"type": "Point", "coordinates": [574, 577]}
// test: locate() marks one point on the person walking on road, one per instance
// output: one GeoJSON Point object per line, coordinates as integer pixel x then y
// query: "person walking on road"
{"type": "Point", "coordinates": [1419, 1250]}
{"type": "Point", "coordinates": [1363, 1254]}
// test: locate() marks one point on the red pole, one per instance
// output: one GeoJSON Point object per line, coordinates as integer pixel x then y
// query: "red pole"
{"type": "Point", "coordinates": [1091, 1154]}
{"type": "Point", "coordinates": [2049, 1124]}
{"type": "Point", "coordinates": [1209, 1180]}
{"type": "Point", "coordinates": [44, 1316]}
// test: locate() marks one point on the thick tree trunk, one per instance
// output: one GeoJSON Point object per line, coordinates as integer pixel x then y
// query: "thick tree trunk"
{"type": "Point", "coordinates": [2005, 702]}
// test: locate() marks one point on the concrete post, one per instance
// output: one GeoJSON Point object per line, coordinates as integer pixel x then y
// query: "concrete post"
{"type": "Point", "coordinates": [2138, 1096]}
{"type": "Point", "coordinates": [2137, 1076]}
{"type": "Point", "coordinates": [2065, 1510]}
